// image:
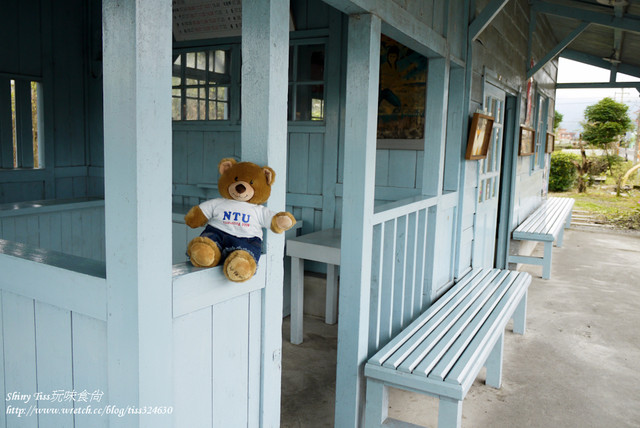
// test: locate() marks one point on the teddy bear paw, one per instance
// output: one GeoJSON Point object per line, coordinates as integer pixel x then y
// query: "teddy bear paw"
{"type": "Point", "coordinates": [203, 252]}
{"type": "Point", "coordinates": [239, 266]}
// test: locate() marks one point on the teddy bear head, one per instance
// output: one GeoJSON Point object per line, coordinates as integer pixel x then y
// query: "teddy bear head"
{"type": "Point", "coordinates": [245, 181]}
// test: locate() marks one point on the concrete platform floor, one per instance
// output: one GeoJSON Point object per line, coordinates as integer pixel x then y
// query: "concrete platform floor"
{"type": "Point", "coordinates": [578, 365]}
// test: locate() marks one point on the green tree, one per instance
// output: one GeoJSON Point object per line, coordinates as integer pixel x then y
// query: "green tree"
{"type": "Point", "coordinates": [606, 122]}
{"type": "Point", "coordinates": [557, 120]}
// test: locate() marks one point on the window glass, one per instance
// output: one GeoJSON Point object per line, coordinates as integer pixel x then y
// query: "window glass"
{"type": "Point", "coordinates": [20, 125]}
{"type": "Point", "coordinates": [306, 82]}
{"type": "Point", "coordinates": [203, 87]}
{"type": "Point", "coordinates": [201, 83]}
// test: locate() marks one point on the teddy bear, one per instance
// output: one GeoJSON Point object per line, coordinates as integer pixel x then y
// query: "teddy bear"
{"type": "Point", "coordinates": [234, 222]}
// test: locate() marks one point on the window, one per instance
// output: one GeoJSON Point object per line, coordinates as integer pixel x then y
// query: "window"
{"type": "Point", "coordinates": [201, 85]}
{"type": "Point", "coordinates": [206, 83]}
{"type": "Point", "coordinates": [306, 81]}
{"type": "Point", "coordinates": [20, 123]}
{"type": "Point", "coordinates": [541, 131]}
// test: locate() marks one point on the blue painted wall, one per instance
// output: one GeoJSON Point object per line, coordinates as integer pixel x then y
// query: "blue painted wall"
{"type": "Point", "coordinates": [59, 46]}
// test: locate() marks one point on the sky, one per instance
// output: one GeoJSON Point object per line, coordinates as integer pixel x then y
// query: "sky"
{"type": "Point", "coordinates": [572, 102]}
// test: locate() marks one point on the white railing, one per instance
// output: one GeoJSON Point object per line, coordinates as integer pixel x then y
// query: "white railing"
{"type": "Point", "coordinates": [399, 265]}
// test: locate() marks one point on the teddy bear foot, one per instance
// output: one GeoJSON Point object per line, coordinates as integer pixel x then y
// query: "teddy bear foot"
{"type": "Point", "coordinates": [203, 252]}
{"type": "Point", "coordinates": [239, 266]}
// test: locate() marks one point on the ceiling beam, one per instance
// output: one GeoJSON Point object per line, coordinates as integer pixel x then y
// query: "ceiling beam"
{"type": "Point", "coordinates": [624, 23]}
{"type": "Point", "coordinates": [618, 35]}
{"type": "Point", "coordinates": [485, 18]}
{"type": "Point", "coordinates": [598, 85]}
{"type": "Point", "coordinates": [557, 49]}
{"type": "Point", "coordinates": [599, 62]}
{"type": "Point", "coordinates": [399, 24]}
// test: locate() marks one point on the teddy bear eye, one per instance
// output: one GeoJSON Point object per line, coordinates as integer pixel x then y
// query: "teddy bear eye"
{"type": "Point", "coordinates": [251, 182]}
{"type": "Point", "coordinates": [236, 179]}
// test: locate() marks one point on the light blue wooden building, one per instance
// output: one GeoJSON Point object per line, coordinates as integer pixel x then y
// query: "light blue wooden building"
{"type": "Point", "coordinates": [113, 117]}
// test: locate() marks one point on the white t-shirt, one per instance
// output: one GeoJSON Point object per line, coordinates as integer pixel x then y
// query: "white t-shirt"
{"type": "Point", "coordinates": [241, 219]}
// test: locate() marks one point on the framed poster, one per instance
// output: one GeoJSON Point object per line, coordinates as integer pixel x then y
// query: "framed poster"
{"type": "Point", "coordinates": [551, 141]}
{"type": "Point", "coordinates": [527, 141]}
{"type": "Point", "coordinates": [401, 97]}
{"type": "Point", "coordinates": [479, 136]}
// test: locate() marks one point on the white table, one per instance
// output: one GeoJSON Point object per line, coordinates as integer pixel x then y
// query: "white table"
{"type": "Point", "coordinates": [324, 247]}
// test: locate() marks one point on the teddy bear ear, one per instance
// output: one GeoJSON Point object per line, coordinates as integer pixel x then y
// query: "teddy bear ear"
{"type": "Point", "coordinates": [270, 174]}
{"type": "Point", "coordinates": [225, 164]}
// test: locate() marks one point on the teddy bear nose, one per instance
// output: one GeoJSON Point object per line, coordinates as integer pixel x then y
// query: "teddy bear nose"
{"type": "Point", "coordinates": [240, 188]}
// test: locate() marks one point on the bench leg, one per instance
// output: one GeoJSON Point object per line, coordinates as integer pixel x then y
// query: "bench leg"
{"type": "Point", "coordinates": [494, 364]}
{"type": "Point", "coordinates": [297, 299]}
{"type": "Point", "coordinates": [377, 404]}
{"type": "Point", "coordinates": [560, 238]}
{"type": "Point", "coordinates": [449, 413]}
{"type": "Point", "coordinates": [546, 267]}
{"type": "Point", "coordinates": [331, 304]}
{"type": "Point", "coordinates": [520, 316]}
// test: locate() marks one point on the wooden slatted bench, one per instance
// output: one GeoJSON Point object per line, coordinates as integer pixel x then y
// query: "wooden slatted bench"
{"type": "Point", "coordinates": [443, 350]}
{"type": "Point", "coordinates": [546, 224]}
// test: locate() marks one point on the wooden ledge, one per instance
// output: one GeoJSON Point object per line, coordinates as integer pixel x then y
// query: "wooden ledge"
{"type": "Point", "coordinates": [54, 258]}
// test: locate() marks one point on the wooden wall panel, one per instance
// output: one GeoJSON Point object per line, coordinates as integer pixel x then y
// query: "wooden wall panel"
{"type": "Point", "coordinates": [3, 403]}
{"type": "Point", "coordinates": [310, 14]}
{"type": "Point", "coordinates": [18, 321]}
{"type": "Point", "coordinates": [298, 163]}
{"type": "Point", "coordinates": [230, 362]}
{"type": "Point", "coordinates": [193, 374]}
{"type": "Point", "coordinates": [179, 157]}
{"type": "Point", "coordinates": [316, 161]}
{"type": "Point", "coordinates": [54, 360]}
{"type": "Point", "coordinates": [9, 30]}
{"type": "Point", "coordinates": [48, 349]}
{"type": "Point", "coordinates": [68, 73]}
{"type": "Point", "coordinates": [445, 248]}
{"type": "Point", "coordinates": [89, 337]}
{"type": "Point", "coordinates": [402, 168]}
{"type": "Point", "coordinates": [76, 231]}
{"type": "Point", "coordinates": [218, 385]}
{"type": "Point", "coordinates": [21, 191]}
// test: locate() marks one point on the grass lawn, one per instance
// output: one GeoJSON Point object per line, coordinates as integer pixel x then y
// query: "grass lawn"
{"type": "Point", "coordinates": [601, 202]}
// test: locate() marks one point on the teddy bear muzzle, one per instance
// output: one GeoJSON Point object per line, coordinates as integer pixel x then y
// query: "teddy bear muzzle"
{"type": "Point", "coordinates": [241, 191]}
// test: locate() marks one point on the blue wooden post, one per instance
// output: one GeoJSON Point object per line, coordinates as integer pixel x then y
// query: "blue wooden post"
{"type": "Point", "coordinates": [433, 167]}
{"type": "Point", "coordinates": [507, 218]}
{"type": "Point", "coordinates": [363, 65]}
{"type": "Point", "coordinates": [265, 60]}
{"type": "Point", "coordinates": [435, 126]}
{"type": "Point", "coordinates": [137, 157]}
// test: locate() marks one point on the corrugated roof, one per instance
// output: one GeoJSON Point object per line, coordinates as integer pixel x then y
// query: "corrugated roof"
{"type": "Point", "coordinates": [612, 38]}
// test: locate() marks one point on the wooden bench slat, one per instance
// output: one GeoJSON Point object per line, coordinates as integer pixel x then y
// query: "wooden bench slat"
{"type": "Point", "coordinates": [422, 345]}
{"type": "Point", "coordinates": [474, 324]}
{"type": "Point", "coordinates": [544, 220]}
{"type": "Point", "coordinates": [547, 221]}
{"type": "Point", "coordinates": [545, 211]}
{"type": "Point", "coordinates": [468, 362]}
{"type": "Point", "coordinates": [385, 353]}
{"type": "Point", "coordinates": [449, 344]}
{"type": "Point", "coordinates": [479, 306]}
{"type": "Point", "coordinates": [546, 224]}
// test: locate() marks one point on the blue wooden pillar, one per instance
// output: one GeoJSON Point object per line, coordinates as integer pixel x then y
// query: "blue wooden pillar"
{"type": "Point", "coordinates": [435, 126]}
{"type": "Point", "coordinates": [363, 65]}
{"type": "Point", "coordinates": [265, 61]}
{"type": "Point", "coordinates": [433, 167]}
{"type": "Point", "coordinates": [137, 157]}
